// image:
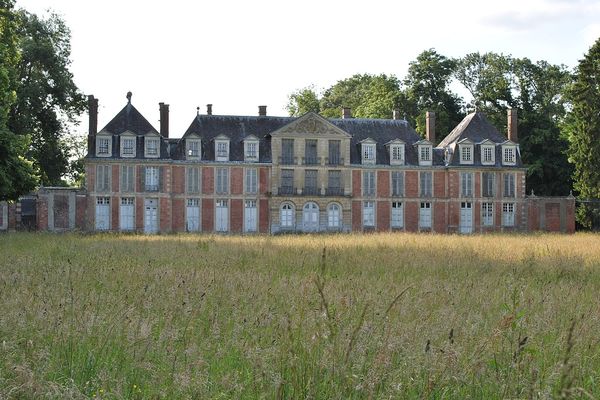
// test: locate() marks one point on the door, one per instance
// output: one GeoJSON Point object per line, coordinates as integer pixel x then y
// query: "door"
{"type": "Point", "coordinates": [310, 217]}
{"type": "Point", "coordinates": [126, 214]}
{"type": "Point", "coordinates": [250, 216]}
{"type": "Point", "coordinates": [151, 216]}
{"type": "Point", "coordinates": [192, 213]}
{"type": "Point", "coordinates": [102, 213]}
{"type": "Point", "coordinates": [425, 216]}
{"type": "Point", "coordinates": [222, 216]}
{"type": "Point", "coordinates": [466, 217]}
{"type": "Point", "coordinates": [333, 216]}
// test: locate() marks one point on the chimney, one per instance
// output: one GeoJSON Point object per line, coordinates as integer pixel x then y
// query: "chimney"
{"type": "Point", "coordinates": [396, 114]}
{"type": "Point", "coordinates": [209, 109]}
{"type": "Point", "coordinates": [512, 125]}
{"type": "Point", "coordinates": [262, 111]}
{"type": "Point", "coordinates": [164, 119]}
{"type": "Point", "coordinates": [430, 126]}
{"type": "Point", "coordinates": [93, 122]}
{"type": "Point", "coordinates": [346, 112]}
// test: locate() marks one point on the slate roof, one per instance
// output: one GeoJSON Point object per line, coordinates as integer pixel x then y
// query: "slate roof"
{"type": "Point", "coordinates": [129, 119]}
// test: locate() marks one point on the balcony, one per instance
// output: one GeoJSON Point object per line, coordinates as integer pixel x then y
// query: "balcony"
{"type": "Point", "coordinates": [151, 187]}
{"type": "Point", "coordinates": [287, 190]}
{"type": "Point", "coordinates": [334, 161]}
{"type": "Point", "coordinates": [311, 160]}
{"type": "Point", "coordinates": [311, 191]}
{"type": "Point", "coordinates": [287, 160]}
{"type": "Point", "coordinates": [334, 191]}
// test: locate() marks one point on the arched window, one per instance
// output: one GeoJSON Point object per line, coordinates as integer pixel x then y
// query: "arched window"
{"type": "Point", "coordinates": [287, 215]}
{"type": "Point", "coordinates": [334, 216]}
{"type": "Point", "coordinates": [310, 217]}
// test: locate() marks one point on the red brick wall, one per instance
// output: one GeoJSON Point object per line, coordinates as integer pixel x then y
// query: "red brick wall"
{"type": "Point", "coordinates": [208, 182]}
{"type": "Point", "coordinates": [570, 214]}
{"type": "Point", "coordinates": [114, 208]}
{"type": "Point", "coordinates": [90, 177]}
{"type": "Point", "coordinates": [165, 214]}
{"type": "Point", "coordinates": [454, 213]}
{"type": "Point", "coordinates": [80, 212]}
{"type": "Point", "coordinates": [411, 216]}
{"type": "Point", "coordinates": [439, 184]}
{"type": "Point", "coordinates": [61, 211]}
{"type": "Point", "coordinates": [498, 211]}
{"type": "Point", "coordinates": [263, 214]}
{"type": "Point", "coordinates": [383, 183]}
{"type": "Point", "coordinates": [439, 217]}
{"type": "Point", "coordinates": [91, 212]}
{"type": "Point", "coordinates": [476, 215]}
{"type": "Point", "coordinates": [138, 181]}
{"type": "Point", "coordinates": [178, 179]}
{"type": "Point", "coordinates": [383, 215]}
{"type": "Point", "coordinates": [411, 183]}
{"type": "Point", "coordinates": [453, 185]}
{"type": "Point", "coordinates": [477, 188]}
{"type": "Point", "coordinates": [533, 216]}
{"type": "Point", "coordinates": [42, 213]}
{"type": "Point", "coordinates": [356, 187]}
{"type": "Point", "coordinates": [208, 215]}
{"type": "Point", "coordinates": [237, 180]}
{"type": "Point", "coordinates": [178, 215]}
{"type": "Point", "coordinates": [553, 217]}
{"type": "Point", "coordinates": [264, 181]}
{"type": "Point", "coordinates": [518, 182]}
{"type": "Point", "coordinates": [356, 213]}
{"type": "Point", "coordinates": [237, 215]}
{"type": "Point", "coordinates": [115, 178]}
{"type": "Point", "coordinates": [12, 216]}
{"type": "Point", "coordinates": [139, 213]}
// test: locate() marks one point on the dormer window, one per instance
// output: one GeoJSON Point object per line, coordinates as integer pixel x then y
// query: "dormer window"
{"type": "Point", "coordinates": [222, 149]}
{"type": "Point", "coordinates": [509, 155]}
{"type": "Point", "coordinates": [128, 146]}
{"type": "Point", "coordinates": [425, 153]}
{"type": "Point", "coordinates": [103, 146]}
{"type": "Point", "coordinates": [368, 151]}
{"type": "Point", "coordinates": [151, 148]}
{"type": "Point", "coordinates": [488, 154]}
{"type": "Point", "coordinates": [396, 148]}
{"type": "Point", "coordinates": [466, 154]}
{"type": "Point", "coordinates": [192, 148]}
{"type": "Point", "coordinates": [251, 149]}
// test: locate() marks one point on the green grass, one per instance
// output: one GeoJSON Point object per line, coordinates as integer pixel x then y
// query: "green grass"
{"type": "Point", "coordinates": [303, 317]}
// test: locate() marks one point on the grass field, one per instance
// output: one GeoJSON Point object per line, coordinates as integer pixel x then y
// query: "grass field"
{"type": "Point", "coordinates": [303, 317]}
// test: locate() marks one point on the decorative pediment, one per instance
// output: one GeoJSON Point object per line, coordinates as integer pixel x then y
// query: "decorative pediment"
{"type": "Point", "coordinates": [222, 137]}
{"type": "Point", "coordinates": [487, 142]}
{"type": "Point", "coordinates": [423, 142]}
{"type": "Point", "coordinates": [368, 141]}
{"type": "Point", "coordinates": [310, 124]}
{"type": "Point", "coordinates": [153, 133]}
{"type": "Point", "coordinates": [395, 141]}
{"type": "Point", "coordinates": [250, 138]}
{"type": "Point", "coordinates": [127, 133]}
{"type": "Point", "coordinates": [465, 141]}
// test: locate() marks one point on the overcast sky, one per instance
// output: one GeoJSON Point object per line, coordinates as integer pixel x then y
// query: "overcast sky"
{"type": "Point", "coordinates": [239, 54]}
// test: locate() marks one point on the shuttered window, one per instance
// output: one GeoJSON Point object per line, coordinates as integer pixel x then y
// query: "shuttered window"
{"type": "Point", "coordinates": [397, 183]}
{"type": "Point", "coordinates": [127, 178]}
{"type": "Point", "coordinates": [192, 180]}
{"type": "Point", "coordinates": [103, 178]}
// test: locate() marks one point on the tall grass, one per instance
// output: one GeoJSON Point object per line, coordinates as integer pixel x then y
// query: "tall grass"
{"type": "Point", "coordinates": [340, 316]}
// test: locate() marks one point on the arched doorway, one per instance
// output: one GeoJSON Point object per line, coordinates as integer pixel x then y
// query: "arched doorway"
{"type": "Point", "coordinates": [310, 217]}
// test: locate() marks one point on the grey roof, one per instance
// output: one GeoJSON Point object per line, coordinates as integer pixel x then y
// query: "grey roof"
{"type": "Point", "coordinates": [129, 119]}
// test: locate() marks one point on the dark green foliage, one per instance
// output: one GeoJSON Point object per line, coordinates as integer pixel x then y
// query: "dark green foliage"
{"type": "Point", "coordinates": [302, 101]}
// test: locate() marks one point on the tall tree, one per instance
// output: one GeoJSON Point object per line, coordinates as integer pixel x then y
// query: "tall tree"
{"type": "Point", "coordinates": [16, 172]}
{"type": "Point", "coordinates": [582, 128]}
{"type": "Point", "coordinates": [302, 101]}
{"type": "Point", "coordinates": [427, 89]}
{"type": "Point", "coordinates": [48, 101]}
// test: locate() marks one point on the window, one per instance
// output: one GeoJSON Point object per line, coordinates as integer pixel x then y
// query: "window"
{"type": "Point", "coordinates": [126, 214]}
{"type": "Point", "coordinates": [128, 146]}
{"type": "Point", "coordinates": [425, 184]}
{"type": "Point", "coordinates": [334, 152]}
{"type": "Point", "coordinates": [310, 152]}
{"type": "Point", "coordinates": [287, 216]}
{"type": "Point", "coordinates": [102, 213]}
{"type": "Point", "coordinates": [369, 213]}
{"type": "Point", "coordinates": [509, 155]}
{"type": "Point", "coordinates": [222, 150]}
{"type": "Point", "coordinates": [508, 214]}
{"type": "Point", "coordinates": [397, 215]}
{"type": "Point", "coordinates": [368, 153]}
{"type": "Point", "coordinates": [466, 154]}
{"type": "Point", "coordinates": [222, 180]}
{"type": "Point", "coordinates": [334, 216]}
{"type": "Point", "coordinates": [251, 150]}
{"type": "Point", "coordinates": [287, 151]}
{"type": "Point", "coordinates": [310, 181]}
{"type": "Point", "coordinates": [250, 219]}
{"type": "Point", "coordinates": [193, 148]}
{"type": "Point", "coordinates": [127, 178]}
{"type": "Point", "coordinates": [103, 178]}
{"type": "Point", "coordinates": [192, 179]}
{"type": "Point", "coordinates": [103, 146]}
{"type": "Point", "coordinates": [425, 215]}
{"type": "Point", "coordinates": [487, 155]}
{"type": "Point", "coordinates": [487, 214]}
{"type": "Point", "coordinates": [151, 181]}
{"type": "Point", "coordinates": [251, 180]}
{"type": "Point", "coordinates": [509, 185]}
{"type": "Point", "coordinates": [466, 184]}
{"type": "Point", "coordinates": [368, 183]}
{"type": "Point", "coordinates": [287, 181]}
{"type": "Point", "coordinates": [334, 183]}
{"type": "Point", "coordinates": [397, 183]}
{"type": "Point", "coordinates": [152, 147]}
{"type": "Point", "coordinates": [192, 215]}
{"type": "Point", "coordinates": [396, 154]}
{"type": "Point", "coordinates": [488, 184]}
{"type": "Point", "coordinates": [222, 216]}
{"type": "Point", "coordinates": [424, 154]}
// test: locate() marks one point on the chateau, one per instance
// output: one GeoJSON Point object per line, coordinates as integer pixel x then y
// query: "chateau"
{"type": "Point", "coordinates": [300, 174]}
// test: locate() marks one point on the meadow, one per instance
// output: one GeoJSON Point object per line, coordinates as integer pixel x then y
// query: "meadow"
{"type": "Point", "coordinates": [379, 316]}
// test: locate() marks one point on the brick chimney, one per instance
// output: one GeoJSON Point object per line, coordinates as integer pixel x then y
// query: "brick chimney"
{"type": "Point", "coordinates": [512, 125]}
{"type": "Point", "coordinates": [430, 126]}
{"type": "Point", "coordinates": [262, 111]}
{"type": "Point", "coordinates": [209, 109]}
{"type": "Point", "coordinates": [164, 119]}
{"type": "Point", "coordinates": [396, 114]}
{"type": "Point", "coordinates": [346, 112]}
{"type": "Point", "coordinates": [93, 122]}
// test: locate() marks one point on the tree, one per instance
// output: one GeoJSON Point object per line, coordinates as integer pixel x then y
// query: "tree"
{"type": "Point", "coordinates": [17, 175]}
{"type": "Point", "coordinates": [47, 99]}
{"type": "Point", "coordinates": [427, 89]}
{"type": "Point", "coordinates": [302, 101]}
{"type": "Point", "coordinates": [582, 128]}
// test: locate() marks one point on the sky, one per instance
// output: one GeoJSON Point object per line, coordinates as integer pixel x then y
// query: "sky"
{"type": "Point", "coordinates": [239, 54]}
